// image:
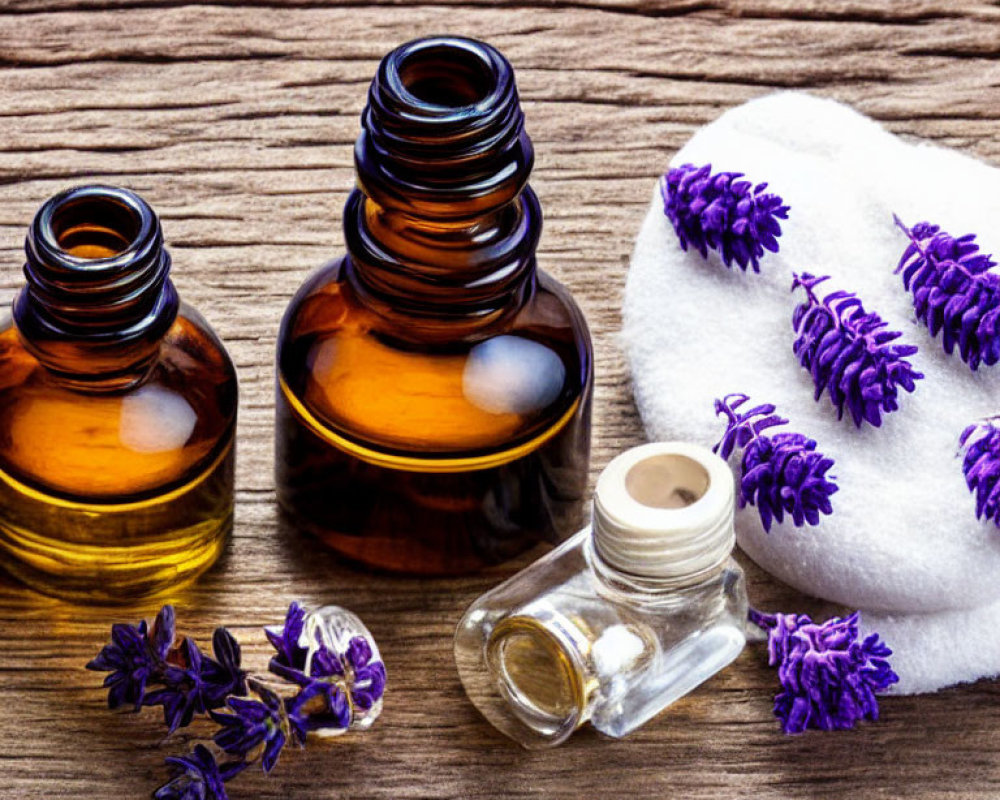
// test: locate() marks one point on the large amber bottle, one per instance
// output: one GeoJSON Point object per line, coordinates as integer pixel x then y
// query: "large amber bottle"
{"type": "Point", "coordinates": [434, 387]}
{"type": "Point", "coordinates": [117, 410]}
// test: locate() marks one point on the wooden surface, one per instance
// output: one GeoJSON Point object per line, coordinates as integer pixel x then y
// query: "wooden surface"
{"type": "Point", "coordinates": [236, 123]}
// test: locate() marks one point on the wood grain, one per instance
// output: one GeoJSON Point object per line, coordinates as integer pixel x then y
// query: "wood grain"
{"type": "Point", "coordinates": [236, 123]}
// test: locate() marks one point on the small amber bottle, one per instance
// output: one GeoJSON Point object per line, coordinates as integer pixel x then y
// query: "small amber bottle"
{"type": "Point", "coordinates": [117, 410]}
{"type": "Point", "coordinates": [434, 387]}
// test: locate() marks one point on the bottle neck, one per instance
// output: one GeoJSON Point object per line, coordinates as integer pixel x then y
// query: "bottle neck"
{"type": "Point", "coordinates": [442, 223]}
{"type": "Point", "coordinates": [644, 589]}
{"type": "Point", "coordinates": [98, 299]}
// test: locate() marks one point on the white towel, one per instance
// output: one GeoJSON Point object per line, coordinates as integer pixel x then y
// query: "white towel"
{"type": "Point", "coordinates": [903, 544]}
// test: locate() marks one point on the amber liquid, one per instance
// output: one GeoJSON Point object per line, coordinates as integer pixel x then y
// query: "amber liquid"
{"type": "Point", "coordinates": [534, 674]}
{"type": "Point", "coordinates": [108, 496]}
{"type": "Point", "coordinates": [431, 458]}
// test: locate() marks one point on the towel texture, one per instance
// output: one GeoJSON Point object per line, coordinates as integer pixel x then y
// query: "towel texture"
{"type": "Point", "coordinates": [903, 544]}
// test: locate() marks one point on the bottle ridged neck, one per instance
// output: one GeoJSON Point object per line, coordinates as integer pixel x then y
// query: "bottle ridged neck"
{"type": "Point", "coordinates": [442, 221]}
{"type": "Point", "coordinates": [98, 298]}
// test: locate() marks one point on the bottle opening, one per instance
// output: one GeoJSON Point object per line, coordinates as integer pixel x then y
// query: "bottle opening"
{"type": "Point", "coordinates": [98, 299]}
{"type": "Point", "coordinates": [95, 227]}
{"type": "Point", "coordinates": [667, 481]}
{"type": "Point", "coordinates": [539, 683]}
{"type": "Point", "coordinates": [447, 75]}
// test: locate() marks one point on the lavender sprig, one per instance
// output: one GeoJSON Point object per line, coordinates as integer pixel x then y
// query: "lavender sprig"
{"type": "Point", "coordinates": [849, 353]}
{"type": "Point", "coordinates": [254, 723]}
{"type": "Point", "coordinates": [980, 446]}
{"type": "Point", "coordinates": [829, 679]}
{"type": "Point", "coordinates": [335, 689]}
{"type": "Point", "coordinates": [332, 680]}
{"type": "Point", "coordinates": [954, 291]}
{"type": "Point", "coordinates": [363, 674]}
{"type": "Point", "coordinates": [259, 727]}
{"type": "Point", "coordinates": [196, 776]}
{"type": "Point", "coordinates": [781, 473]}
{"type": "Point", "coordinates": [134, 658]}
{"type": "Point", "coordinates": [320, 706]}
{"type": "Point", "coordinates": [290, 658]}
{"type": "Point", "coordinates": [188, 681]}
{"type": "Point", "coordinates": [721, 212]}
{"type": "Point", "coordinates": [293, 659]}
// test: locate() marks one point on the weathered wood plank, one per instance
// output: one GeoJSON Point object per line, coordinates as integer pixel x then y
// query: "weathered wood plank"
{"type": "Point", "coordinates": [236, 122]}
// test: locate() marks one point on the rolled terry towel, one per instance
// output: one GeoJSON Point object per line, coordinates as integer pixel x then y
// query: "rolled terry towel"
{"type": "Point", "coordinates": [903, 544]}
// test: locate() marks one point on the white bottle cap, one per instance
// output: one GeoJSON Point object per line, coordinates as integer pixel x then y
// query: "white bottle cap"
{"type": "Point", "coordinates": [665, 511]}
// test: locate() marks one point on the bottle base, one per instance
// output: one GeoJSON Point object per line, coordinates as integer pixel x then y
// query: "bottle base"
{"type": "Point", "coordinates": [126, 574]}
{"type": "Point", "coordinates": [392, 554]}
{"type": "Point", "coordinates": [430, 521]}
{"type": "Point", "coordinates": [113, 554]}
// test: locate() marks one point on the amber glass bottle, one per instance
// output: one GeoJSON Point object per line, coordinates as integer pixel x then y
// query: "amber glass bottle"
{"type": "Point", "coordinates": [434, 387]}
{"type": "Point", "coordinates": [117, 410]}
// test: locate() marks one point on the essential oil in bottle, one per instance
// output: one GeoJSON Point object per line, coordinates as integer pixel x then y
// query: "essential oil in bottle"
{"type": "Point", "coordinates": [434, 386]}
{"type": "Point", "coordinates": [117, 410]}
{"type": "Point", "coordinates": [623, 619]}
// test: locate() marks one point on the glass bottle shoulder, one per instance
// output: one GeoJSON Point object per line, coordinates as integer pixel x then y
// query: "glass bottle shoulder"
{"type": "Point", "coordinates": [380, 381]}
{"type": "Point", "coordinates": [122, 446]}
{"type": "Point", "coordinates": [572, 579]}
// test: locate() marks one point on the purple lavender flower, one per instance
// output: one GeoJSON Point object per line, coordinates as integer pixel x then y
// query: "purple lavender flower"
{"type": "Point", "coordinates": [367, 680]}
{"type": "Point", "coordinates": [223, 675]}
{"type": "Point", "coordinates": [334, 684]}
{"type": "Point", "coordinates": [319, 705]}
{"type": "Point", "coordinates": [325, 663]}
{"type": "Point", "coordinates": [290, 660]}
{"type": "Point", "coordinates": [720, 212]}
{"type": "Point", "coordinates": [194, 684]}
{"type": "Point", "coordinates": [980, 445]}
{"type": "Point", "coordinates": [185, 690]}
{"type": "Point", "coordinates": [187, 681]}
{"type": "Point", "coordinates": [196, 776]}
{"type": "Point", "coordinates": [781, 473]}
{"type": "Point", "coordinates": [829, 680]}
{"type": "Point", "coordinates": [364, 677]}
{"type": "Point", "coordinates": [330, 687]}
{"type": "Point", "coordinates": [849, 353]}
{"type": "Point", "coordinates": [250, 724]}
{"type": "Point", "coordinates": [134, 658]}
{"type": "Point", "coordinates": [253, 728]}
{"type": "Point", "coordinates": [954, 291]}
{"type": "Point", "coordinates": [163, 633]}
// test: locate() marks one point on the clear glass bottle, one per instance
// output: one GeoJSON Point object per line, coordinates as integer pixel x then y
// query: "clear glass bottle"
{"type": "Point", "coordinates": [434, 386]}
{"type": "Point", "coordinates": [625, 617]}
{"type": "Point", "coordinates": [117, 406]}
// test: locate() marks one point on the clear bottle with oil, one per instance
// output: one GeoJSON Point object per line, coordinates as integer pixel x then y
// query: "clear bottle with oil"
{"type": "Point", "coordinates": [118, 408]}
{"type": "Point", "coordinates": [434, 386]}
{"type": "Point", "coordinates": [624, 618]}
